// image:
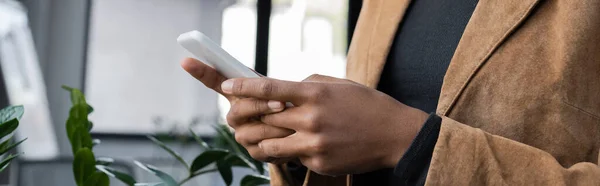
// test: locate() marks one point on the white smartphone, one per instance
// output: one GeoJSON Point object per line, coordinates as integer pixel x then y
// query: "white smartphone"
{"type": "Point", "coordinates": [213, 55]}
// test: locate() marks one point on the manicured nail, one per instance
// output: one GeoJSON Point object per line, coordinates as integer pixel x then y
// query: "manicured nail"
{"type": "Point", "coordinates": [275, 105]}
{"type": "Point", "coordinates": [226, 86]}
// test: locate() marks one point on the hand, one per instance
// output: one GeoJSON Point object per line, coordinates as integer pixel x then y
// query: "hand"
{"type": "Point", "coordinates": [244, 113]}
{"type": "Point", "coordinates": [341, 127]}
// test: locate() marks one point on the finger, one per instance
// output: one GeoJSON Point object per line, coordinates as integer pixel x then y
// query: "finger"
{"type": "Point", "coordinates": [258, 153]}
{"type": "Point", "coordinates": [204, 73]}
{"type": "Point", "coordinates": [294, 118]}
{"type": "Point", "coordinates": [252, 134]}
{"type": "Point", "coordinates": [246, 108]}
{"type": "Point", "coordinates": [291, 146]}
{"type": "Point", "coordinates": [268, 89]}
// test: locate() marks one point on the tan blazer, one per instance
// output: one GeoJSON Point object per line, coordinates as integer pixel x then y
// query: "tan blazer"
{"type": "Point", "coordinates": [521, 98]}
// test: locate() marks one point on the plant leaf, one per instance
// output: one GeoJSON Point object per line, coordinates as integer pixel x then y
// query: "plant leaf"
{"type": "Point", "coordinates": [237, 160]}
{"type": "Point", "coordinates": [77, 96]}
{"type": "Point", "coordinates": [90, 109]}
{"type": "Point", "coordinates": [199, 140]}
{"type": "Point", "coordinates": [76, 142]}
{"type": "Point", "coordinates": [260, 166]}
{"type": "Point", "coordinates": [8, 127]}
{"type": "Point", "coordinates": [6, 143]}
{"type": "Point", "coordinates": [97, 179]}
{"type": "Point", "coordinates": [225, 170]}
{"type": "Point", "coordinates": [150, 184]}
{"type": "Point", "coordinates": [254, 180]}
{"type": "Point", "coordinates": [167, 179]}
{"type": "Point", "coordinates": [104, 161]}
{"type": "Point", "coordinates": [123, 177]}
{"type": "Point", "coordinates": [4, 163]}
{"type": "Point", "coordinates": [11, 112]}
{"type": "Point", "coordinates": [84, 165]}
{"type": "Point", "coordinates": [67, 88]}
{"type": "Point", "coordinates": [77, 118]}
{"type": "Point", "coordinates": [206, 158]}
{"type": "Point", "coordinates": [4, 149]}
{"type": "Point", "coordinates": [224, 134]}
{"type": "Point", "coordinates": [4, 167]}
{"type": "Point", "coordinates": [169, 150]}
{"type": "Point", "coordinates": [81, 139]}
{"type": "Point", "coordinates": [90, 125]}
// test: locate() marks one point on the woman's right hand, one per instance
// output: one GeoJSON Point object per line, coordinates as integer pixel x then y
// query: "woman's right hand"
{"type": "Point", "coordinates": [244, 115]}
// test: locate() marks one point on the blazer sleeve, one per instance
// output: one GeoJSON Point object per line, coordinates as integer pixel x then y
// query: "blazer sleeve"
{"type": "Point", "coordinates": [464, 155]}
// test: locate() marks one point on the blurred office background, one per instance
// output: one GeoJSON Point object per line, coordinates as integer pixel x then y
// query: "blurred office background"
{"type": "Point", "coordinates": [123, 55]}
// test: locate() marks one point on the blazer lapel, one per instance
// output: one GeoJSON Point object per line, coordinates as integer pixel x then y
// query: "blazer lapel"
{"type": "Point", "coordinates": [373, 38]}
{"type": "Point", "coordinates": [492, 22]}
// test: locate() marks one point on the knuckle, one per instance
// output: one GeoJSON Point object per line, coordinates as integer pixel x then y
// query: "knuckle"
{"type": "Point", "coordinates": [231, 121]}
{"type": "Point", "coordinates": [351, 82]}
{"type": "Point", "coordinates": [266, 88]}
{"type": "Point", "coordinates": [318, 92]}
{"type": "Point", "coordinates": [233, 116]}
{"type": "Point", "coordinates": [321, 166]}
{"type": "Point", "coordinates": [263, 131]}
{"type": "Point", "coordinates": [314, 122]}
{"type": "Point", "coordinates": [235, 110]}
{"type": "Point", "coordinates": [258, 105]}
{"type": "Point", "coordinates": [313, 77]}
{"type": "Point", "coordinates": [266, 118]}
{"type": "Point", "coordinates": [319, 146]}
{"type": "Point", "coordinates": [240, 137]}
{"type": "Point", "coordinates": [273, 150]}
{"type": "Point", "coordinates": [257, 154]}
{"type": "Point", "coordinates": [238, 86]}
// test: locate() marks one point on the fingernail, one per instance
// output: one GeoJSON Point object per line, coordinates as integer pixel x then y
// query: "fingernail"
{"type": "Point", "coordinates": [275, 105]}
{"type": "Point", "coordinates": [260, 145]}
{"type": "Point", "coordinates": [226, 86]}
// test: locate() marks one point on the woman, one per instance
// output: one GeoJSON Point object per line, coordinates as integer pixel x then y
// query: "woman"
{"type": "Point", "coordinates": [519, 103]}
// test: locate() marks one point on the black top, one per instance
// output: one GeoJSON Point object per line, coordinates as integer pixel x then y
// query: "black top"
{"type": "Point", "coordinates": [422, 50]}
{"type": "Point", "coordinates": [418, 59]}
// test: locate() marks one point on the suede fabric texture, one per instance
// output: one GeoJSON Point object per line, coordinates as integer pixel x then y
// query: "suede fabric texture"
{"type": "Point", "coordinates": [521, 98]}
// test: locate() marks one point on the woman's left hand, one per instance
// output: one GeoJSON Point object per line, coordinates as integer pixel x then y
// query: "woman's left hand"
{"type": "Point", "coordinates": [341, 127]}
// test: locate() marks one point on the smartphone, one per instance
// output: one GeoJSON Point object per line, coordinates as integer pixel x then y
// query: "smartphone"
{"type": "Point", "coordinates": [211, 54]}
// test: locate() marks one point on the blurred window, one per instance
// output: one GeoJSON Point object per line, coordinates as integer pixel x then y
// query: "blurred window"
{"type": "Point", "coordinates": [306, 37]}
{"type": "Point", "coordinates": [23, 84]}
{"type": "Point", "coordinates": [133, 73]}
{"type": "Point", "coordinates": [133, 76]}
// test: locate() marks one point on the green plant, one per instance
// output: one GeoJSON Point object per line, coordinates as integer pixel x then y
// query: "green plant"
{"type": "Point", "coordinates": [9, 121]}
{"type": "Point", "coordinates": [89, 170]}
{"type": "Point", "coordinates": [224, 160]}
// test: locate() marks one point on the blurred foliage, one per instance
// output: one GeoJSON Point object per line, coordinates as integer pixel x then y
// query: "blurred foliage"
{"type": "Point", "coordinates": [87, 170]}
{"type": "Point", "coordinates": [9, 121]}
{"type": "Point", "coordinates": [225, 154]}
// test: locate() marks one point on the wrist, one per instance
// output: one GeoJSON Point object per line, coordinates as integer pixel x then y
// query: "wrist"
{"type": "Point", "coordinates": [408, 124]}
